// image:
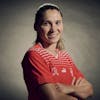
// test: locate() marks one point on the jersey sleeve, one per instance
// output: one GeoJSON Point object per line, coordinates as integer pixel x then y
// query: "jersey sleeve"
{"type": "Point", "coordinates": [77, 72]}
{"type": "Point", "coordinates": [39, 68]}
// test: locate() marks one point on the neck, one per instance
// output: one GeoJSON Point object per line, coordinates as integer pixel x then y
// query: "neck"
{"type": "Point", "coordinates": [50, 47]}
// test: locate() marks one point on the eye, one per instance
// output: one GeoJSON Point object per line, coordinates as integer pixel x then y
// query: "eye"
{"type": "Point", "coordinates": [58, 22]}
{"type": "Point", "coordinates": [45, 23]}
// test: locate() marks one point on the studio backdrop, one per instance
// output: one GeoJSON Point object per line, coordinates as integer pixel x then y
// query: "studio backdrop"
{"type": "Point", "coordinates": [81, 37]}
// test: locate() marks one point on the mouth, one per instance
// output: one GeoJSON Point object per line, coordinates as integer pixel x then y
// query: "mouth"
{"type": "Point", "coordinates": [52, 36]}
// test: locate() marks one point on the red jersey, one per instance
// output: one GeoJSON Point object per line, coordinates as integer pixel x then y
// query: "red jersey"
{"type": "Point", "coordinates": [41, 67]}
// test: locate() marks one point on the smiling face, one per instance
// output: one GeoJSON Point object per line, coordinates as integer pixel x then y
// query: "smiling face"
{"type": "Point", "coordinates": [51, 28]}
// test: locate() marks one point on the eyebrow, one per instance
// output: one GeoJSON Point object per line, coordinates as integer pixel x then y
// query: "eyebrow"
{"type": "Point", "coordinates": [49, 20]}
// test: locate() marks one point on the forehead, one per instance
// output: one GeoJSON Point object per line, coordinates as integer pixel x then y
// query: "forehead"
{"type": "Point", "coordinates": [52, 14]}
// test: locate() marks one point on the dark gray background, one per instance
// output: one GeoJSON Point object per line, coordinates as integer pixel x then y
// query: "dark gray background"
{"type": "Point", "coordinates": [81, 38]}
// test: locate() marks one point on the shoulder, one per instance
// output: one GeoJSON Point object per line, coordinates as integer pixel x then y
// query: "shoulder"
{"type": "Point", "coordinates": [33, 53]}
{"type": "Point", "coordinates": [35, 49]}
{"type": "Point", "coordinates": [37, 52]}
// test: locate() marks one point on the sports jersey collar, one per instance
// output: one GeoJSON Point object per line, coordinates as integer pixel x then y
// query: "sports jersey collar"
{"type": "Point", "coordinates": [39, 45]}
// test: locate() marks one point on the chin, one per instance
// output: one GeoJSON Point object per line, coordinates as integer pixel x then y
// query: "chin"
{"type": "Point", "coordinates": [53, 41]}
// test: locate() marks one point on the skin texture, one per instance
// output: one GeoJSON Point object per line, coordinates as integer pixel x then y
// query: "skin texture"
{"type": "Point", "coordinates": [51, 29]}
{"type": "Point", "coordinates": [49, 92]}
{"type": "Point", "coordinates": [80, 88]}
{"type": "Point", "coordinates": [50, 32]}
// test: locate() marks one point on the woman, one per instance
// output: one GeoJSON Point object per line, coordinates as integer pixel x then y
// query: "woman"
{"type": "Point", "coordinates": [49, 72]}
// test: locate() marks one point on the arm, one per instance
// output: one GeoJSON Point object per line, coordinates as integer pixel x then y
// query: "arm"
{"type": "Point", "coordinates": [49, 92]}
{"type": "Point", "coordinates": [82, 88]}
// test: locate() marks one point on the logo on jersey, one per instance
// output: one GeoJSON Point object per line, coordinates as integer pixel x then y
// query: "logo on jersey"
{"type": "Point", "coordinates": [63, 70]}
{"type": "Point", "coordinates": [54, 71]}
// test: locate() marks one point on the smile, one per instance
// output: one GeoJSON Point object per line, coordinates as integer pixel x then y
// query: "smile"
{"type": "Point", "coordinates": [52, 35]}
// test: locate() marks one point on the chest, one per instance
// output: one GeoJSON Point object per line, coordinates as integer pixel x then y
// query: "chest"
{"type": "Point", "coordinates": [61, 68]}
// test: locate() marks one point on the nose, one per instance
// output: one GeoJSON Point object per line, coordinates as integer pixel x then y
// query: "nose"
{"type": "Point", "coordinates": [53, 28]}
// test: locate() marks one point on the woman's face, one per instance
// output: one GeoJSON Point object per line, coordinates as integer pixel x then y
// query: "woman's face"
{"type": "Point", "coordinates": [52, 27]}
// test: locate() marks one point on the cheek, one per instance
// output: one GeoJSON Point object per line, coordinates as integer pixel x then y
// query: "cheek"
{"type": "Point", "coordinates": [43, 33]}
{"type": "Point", "coordinates": [44, 30]}
{"type": "Point", "coordinates": [62, 28]}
